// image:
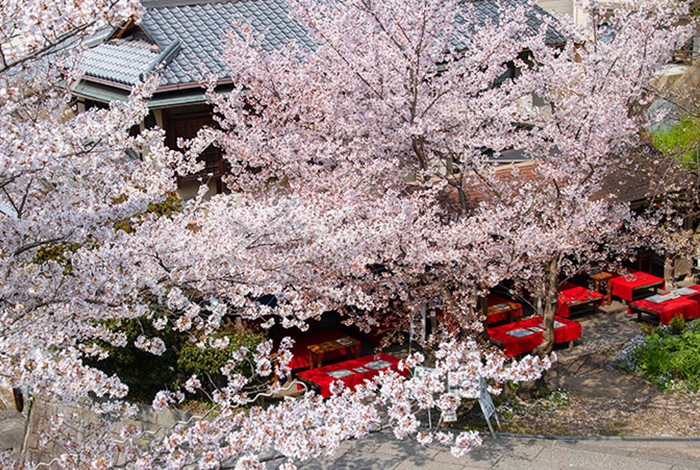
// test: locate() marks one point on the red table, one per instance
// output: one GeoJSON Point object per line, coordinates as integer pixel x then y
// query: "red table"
{"type": "Point", "coordinates": [300, 351]}
{"type": "Point", "coordinates": [565, 331]}
{"type": "Point", "coordinates": [571, 295]}
{"type": "Point", "coordinates": [320, 377]}
{"type": "Point", "coordinates": [635, 281]}
{"type": "Point", "coordinates": [502, 309]}
{"type": "Point", "coordinates": [687, 306]}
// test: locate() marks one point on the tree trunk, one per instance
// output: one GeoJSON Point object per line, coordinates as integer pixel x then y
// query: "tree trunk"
{"type": "Point", "coordinates": [669, 276]}
{"type": "Point", "coordinates": [550, 308]}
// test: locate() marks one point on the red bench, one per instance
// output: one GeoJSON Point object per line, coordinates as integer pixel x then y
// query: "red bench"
{"type": "Point", "coordinates": [634, 281]}
{"type": "Point", "coordinates": [525, 335]}
{"type": "Point", "coordinates": [358, 371]}
{"type": "Point", "coordinates": [686, 306]}
{"type": "Point", "coordinates": [571, 295]}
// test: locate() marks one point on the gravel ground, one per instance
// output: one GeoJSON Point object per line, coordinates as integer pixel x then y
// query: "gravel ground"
{"type": "Point", "coordinates": [593, 397]}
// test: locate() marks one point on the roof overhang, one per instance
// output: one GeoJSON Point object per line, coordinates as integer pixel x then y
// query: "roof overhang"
{"type": "Point", "coordinates": [161, 99]}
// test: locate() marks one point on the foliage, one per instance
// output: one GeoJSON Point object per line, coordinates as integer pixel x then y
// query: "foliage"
{"type": "Point", "coordinates": [680, 140]}
{"type": "Point", "coordinates": [166, 208]}
{"type": "Point", "coordinates": [669, 356]}
{"type": "Point", "coordinates": [57, 252]}
{"type": "Point", "coordinates": [559, 398]}
{"type": "Point", "coordinates": [170, 205]}
{"type": "Point", "coordinates": [694, 7]}
{"type": "Point", "coordinates": [678, 324]}
{"type": "Point", "coordinates": [146, 373]}
{"type": "Point", "coordinates": [198, 358]}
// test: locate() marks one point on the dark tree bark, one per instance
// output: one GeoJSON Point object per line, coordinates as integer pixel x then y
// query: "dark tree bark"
{"type": "Point", "coordinates": [551, 298]}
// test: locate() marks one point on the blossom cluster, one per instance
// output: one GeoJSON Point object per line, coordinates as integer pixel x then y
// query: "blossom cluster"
{"type": "Point", "coordinates": [365, 178]}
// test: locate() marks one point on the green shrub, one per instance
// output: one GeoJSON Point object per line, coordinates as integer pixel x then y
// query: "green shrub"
{"type": "Point", "coordinates": [146, 373]}
{"type": "Point", "coordinates": [681, 140]}
{"type": "Point", "coordinates": [207, 362]}
{"type": "Point", "coordinates": [678, 323]}
{"type": "Point", "coordinates": [669, 356]}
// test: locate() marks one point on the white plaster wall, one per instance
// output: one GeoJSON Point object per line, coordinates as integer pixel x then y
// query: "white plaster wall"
{"type": "Point", "coordinates": [565, 7]}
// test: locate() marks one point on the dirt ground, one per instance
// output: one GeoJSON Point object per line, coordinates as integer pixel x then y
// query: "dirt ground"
{"type": "Point", "coordinates": [591, 396]}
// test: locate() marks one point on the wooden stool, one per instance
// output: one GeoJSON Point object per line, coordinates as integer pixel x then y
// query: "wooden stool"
{"type": "Point", "coordinates": [602, 281]}
{"type": "Point", "coordinates": [316, 351]}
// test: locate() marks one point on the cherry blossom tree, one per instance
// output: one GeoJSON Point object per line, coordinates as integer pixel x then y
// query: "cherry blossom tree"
{"type": "Point", "coordinates": [69, 184]}
{"type": "Point", "coordinates": [379, 94]}
{"type": "Point", "coordinates": [346, 152]}
{"type": "Point", "coordinates": [55, 200]}
{"type": "Point", "coordinates": [587, 145]}
{"type": "Point", "coordinates": [64, 181]}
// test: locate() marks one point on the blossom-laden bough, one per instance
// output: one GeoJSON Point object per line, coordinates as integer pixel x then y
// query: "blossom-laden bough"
{"type": "Point", "coordinates": [365, 169]}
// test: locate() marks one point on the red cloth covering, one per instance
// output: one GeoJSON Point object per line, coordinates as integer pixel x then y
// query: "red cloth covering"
{"type": "Point", "coordinates": [321, 377]}
{"type": "Point", "coordinates": [515, 346]}
{"type": "Point", "coordinates": [687, 306]}
{"type": "Point", "coordinates": [695, 297]}
{"type": "Point", "coordinates": [300, 352]}
{"type": "Point", "coordinates": [623, 288]}
{"type": "Point", "coordinates": [571, 294]}
{"type": "Point", "coordinates": [502, 315]}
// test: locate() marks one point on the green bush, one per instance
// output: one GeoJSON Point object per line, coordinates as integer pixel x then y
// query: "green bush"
{"type": "Point", "coordinates": [681, 140]}
{"type": "Point", "coordinates": [678, 323]}
{"type": "Point", "coordinates": [146, 374]}
{"type": "Point", "coordinates": [207, 362]}
{"type": "Point", "coordinates": [669, 356]}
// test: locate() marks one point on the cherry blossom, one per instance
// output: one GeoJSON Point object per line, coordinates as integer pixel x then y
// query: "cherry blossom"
{"type": "Point", "coordinates": [365, 178]}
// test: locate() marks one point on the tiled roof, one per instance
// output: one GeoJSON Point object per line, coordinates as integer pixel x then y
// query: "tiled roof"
{"type": "Point", "coordinates": [121, 61]}
{"type": "Point", "coordinates": [488, 10]}
{"type": "Point", "coordinates": [650, 172]}
{"type": "Point", "coordinates": [199, 26]}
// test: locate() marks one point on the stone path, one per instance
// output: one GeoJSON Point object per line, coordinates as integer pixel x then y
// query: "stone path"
{"type": "Point", "coordinates": [609, 328]}
{"type": "Point", "coordinates": [380, 452]}
{"type": "Point", "coordinates": [12, 423]}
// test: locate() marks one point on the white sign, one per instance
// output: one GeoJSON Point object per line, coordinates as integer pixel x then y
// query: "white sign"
{"type": "Point", "coordinates": [487, 406]}
{"type": "Point", "coordinates": [449, 417]}
{"type": "Point", "coordinates": [420, 371]}
{"type": "Point", "coordinates": [417, 327]}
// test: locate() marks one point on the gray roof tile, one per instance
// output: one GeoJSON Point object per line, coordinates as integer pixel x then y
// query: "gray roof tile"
{"type": "Point", "coordinates": [120, 61]}
{"type": "Point", "coordinates": [200, 25]}
{"type": "Point", "coordinates": [488, 10]}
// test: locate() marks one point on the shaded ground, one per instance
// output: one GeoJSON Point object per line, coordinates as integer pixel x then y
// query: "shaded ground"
{"type": "Point", "coordinates": [12, 423]}
{"type": "Point", "coordinates": [382, 452]}
{"type": "Point", "coordinates": [592, 396]}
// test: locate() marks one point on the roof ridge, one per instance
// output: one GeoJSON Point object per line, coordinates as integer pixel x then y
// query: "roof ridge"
{"type": "Point", "coordinates": [180, 3]}
{"type": "Point", "coordinates": [162, 60]}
